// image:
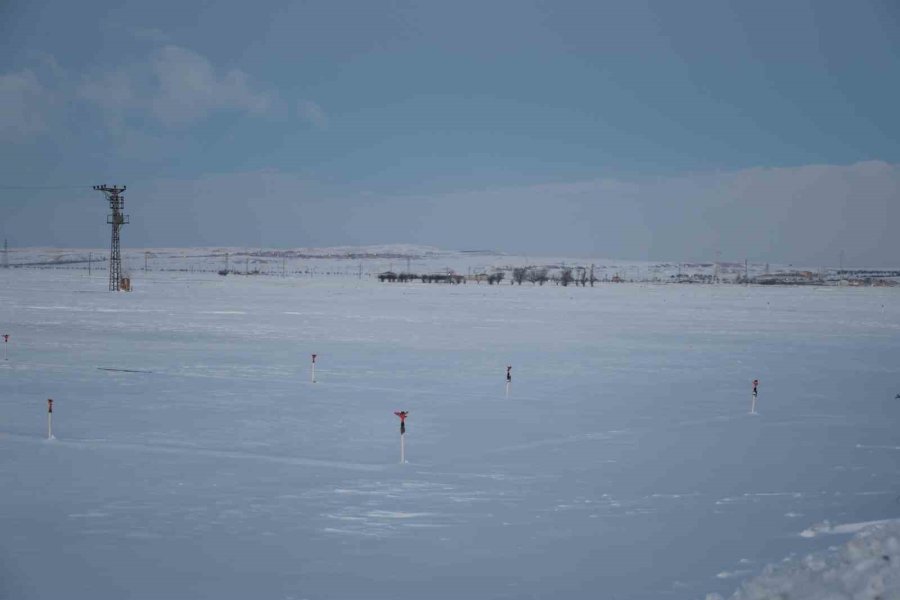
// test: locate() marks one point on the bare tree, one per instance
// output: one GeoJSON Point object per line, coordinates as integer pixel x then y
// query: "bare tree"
{"type": "Point", "coordinates": [565, 278]}
{"type": "Point", "coordinates": [518, 274]}
{"type": "Point", "coordinates": [536, 275]}
{"type": "Point", "coordinates": [582, 276]}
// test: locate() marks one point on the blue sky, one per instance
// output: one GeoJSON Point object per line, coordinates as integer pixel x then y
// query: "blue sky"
{"type": "Point", "coordinates": [655, 130]}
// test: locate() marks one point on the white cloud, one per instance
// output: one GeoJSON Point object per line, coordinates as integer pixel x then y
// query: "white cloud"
{"type": "Point", "coordinates": [313, 114]}
{"type": "Point", "coordinates": [189, 88]}
{"type": "Point", "coordinates": [23, 105]}
{"type": "Point", "coordinates": [805, 215]}
{"type": "Point", "coordinates": [114, 93]}
{"type": "Point", "coordinates": [177, 86]}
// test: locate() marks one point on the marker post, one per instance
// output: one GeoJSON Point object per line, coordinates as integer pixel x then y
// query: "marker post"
{"type": "Point", "coordinates": [5, 342]}
{"type": "Point", "coordinates": [508, 379]}
{"type": "Point", "coordinates": [755, 392]}
{"type": "Point", "coordinates": [313, 368]}
{"type": "Point", "coordinates": [402, 414]}
{"type": "Point", "coordinates": [50, 419]}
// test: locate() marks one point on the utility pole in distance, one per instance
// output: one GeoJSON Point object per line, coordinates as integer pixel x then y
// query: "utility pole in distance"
{"type": "Point", "coordinates": [116, 219]}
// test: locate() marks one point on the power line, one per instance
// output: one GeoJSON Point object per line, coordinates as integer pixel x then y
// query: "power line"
{"type": "Point", "coordinates": [44, 187]}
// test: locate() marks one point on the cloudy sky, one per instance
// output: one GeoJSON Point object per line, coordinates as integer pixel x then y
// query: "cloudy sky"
{"type": "Point", "coordinates": [597, 128]}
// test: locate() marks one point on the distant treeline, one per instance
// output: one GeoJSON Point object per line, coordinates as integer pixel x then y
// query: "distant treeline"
{"type": "Point", "coordinates": [563, 276]}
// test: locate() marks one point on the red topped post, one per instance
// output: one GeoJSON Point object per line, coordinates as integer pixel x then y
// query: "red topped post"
{"type": "Point", "coordinates": [49, 418]}
{"type": "Point", "coordinates": [402, 414]}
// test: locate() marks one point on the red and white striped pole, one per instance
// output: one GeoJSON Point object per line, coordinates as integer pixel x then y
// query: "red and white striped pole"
{"type": "Point", "coordinates": [755, 392]}
{"type": "Point", "coordinates": [402, 414]}
{"type": "Point", "coordinates": [5, 342]}
{"type": "Point", "coordinates": [313, 376]}
{"type": "Point", "coordinates": [50, 418]}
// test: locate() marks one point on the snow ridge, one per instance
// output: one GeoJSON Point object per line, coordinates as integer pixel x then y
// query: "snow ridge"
{"type": "Point", "coordinates": [865, 568]}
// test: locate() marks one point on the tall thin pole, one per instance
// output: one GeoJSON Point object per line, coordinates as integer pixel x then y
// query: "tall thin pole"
{"type": "Point", "coordinates": [49, 418]}
{"type": "Point", "coordinates": [90, 261]}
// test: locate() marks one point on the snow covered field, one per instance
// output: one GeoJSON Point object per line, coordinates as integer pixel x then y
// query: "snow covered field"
{"type": "Point", "coordinates": [623, 464]}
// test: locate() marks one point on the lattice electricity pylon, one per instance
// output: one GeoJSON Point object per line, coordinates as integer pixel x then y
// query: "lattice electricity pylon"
{"type": "Point", "coordinates": [116, 219]}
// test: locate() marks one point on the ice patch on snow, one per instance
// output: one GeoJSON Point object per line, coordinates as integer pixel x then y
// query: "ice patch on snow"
{"type": "Point", "coordinates": [93, 514]}
{"type": "Point", "coordinates": [389, 514]}
{"type": "Point", "coordinates": [827, 528]}
{"type": "Point", "coordinates": [732, 574]}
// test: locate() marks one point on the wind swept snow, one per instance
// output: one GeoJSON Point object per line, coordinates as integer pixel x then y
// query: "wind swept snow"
{"type": "Point", "coordinates": [195, 458]}
{"type": "Point", "coordinates": [865, 568]}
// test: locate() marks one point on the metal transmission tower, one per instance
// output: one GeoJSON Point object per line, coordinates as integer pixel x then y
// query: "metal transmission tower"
{"type": "Point", "coordinates": [116, 219]}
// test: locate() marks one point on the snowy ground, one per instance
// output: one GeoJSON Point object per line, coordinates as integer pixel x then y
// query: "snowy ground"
{"type": "Point", "coordinates": [867, 567]}
{"type": "Point", "coordinates": [623, 464]}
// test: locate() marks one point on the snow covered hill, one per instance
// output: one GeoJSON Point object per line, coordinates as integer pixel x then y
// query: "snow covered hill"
{"type": "Point", "coordinates": [368, 261]}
